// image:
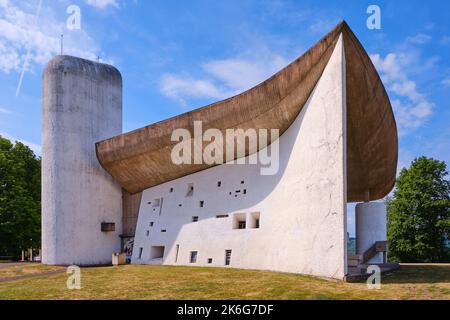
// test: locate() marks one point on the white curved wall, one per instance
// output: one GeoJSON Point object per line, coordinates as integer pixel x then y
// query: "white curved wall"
{"type": "Point", "coordinates": [370, 221]}
{"type": "Point", "coordinates": [302, 208]}
{"type": "Point", "coordinates": [82, 104]}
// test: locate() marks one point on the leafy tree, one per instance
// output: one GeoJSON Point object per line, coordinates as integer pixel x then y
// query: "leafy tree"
{"type": "Point", "coordinates": [419, 213]}
{"type": "Point", "coordinates": [20, 198]}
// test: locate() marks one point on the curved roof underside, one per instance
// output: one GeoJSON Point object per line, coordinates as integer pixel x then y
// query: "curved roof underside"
{"type": "Point", "coordinates": [141, 159]}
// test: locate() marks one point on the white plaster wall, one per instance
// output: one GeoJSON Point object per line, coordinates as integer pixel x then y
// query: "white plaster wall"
{"type": "Point", "coordinates": [82, 104]}
{"type": "Point", "coordinates": [302, 208]}
{"type": "Point", "coordinates": [370, 220]}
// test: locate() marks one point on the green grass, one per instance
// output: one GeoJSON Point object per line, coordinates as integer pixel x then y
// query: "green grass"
{"type": "Point", "coordinates": [168, 282]}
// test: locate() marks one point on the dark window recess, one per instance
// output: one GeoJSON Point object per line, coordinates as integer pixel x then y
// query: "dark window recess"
{"type": "Point", "coordinates": [242, 182]}
{"type": "Point", "coordinates": [194, 219]}
{"type": "Point", "coordinates": [230, 192]}
{"type": "Point", "coordinates": [140, 253]}
{"type": "Point", "coordinates": [227, 257]}
{"type": "Point", "coordinates": [193, 257]}
{"type": "Point", "coordinates": [241, 225]}
{"type": "Point", "coordinates": [202, 204]}
{"type": "Point", "coordinates": [209, 260]}
{"type": "Point", "coordinates": [180, 205]}
{"type": "Point", "coordinates": [151, 224]}
{"type": "Point", "coordinates": [108, 227]}
{"type": "Point", "coordinates": [219, 183]}
{"type": "Point", "coordinates": [176, 253]}
{"type": "Point", "coordinates": [257, 223]}
{"type": "Point", "coordinates": [190, 191]}
{"type": "Point", "coordinates": [149, 202]}
{"type": "Point", "coordinates": [238, 191]}
{"type": "Point", "coordinates": [163, 230]}
{"type": "Point", "coordinates": [157, 252]}
{"type": "Point", "coordinates": [221, 216]}
{"type": "Point", "coordinates": [148, 233]}
{"type": "Point", "coordinates": [171, 189]}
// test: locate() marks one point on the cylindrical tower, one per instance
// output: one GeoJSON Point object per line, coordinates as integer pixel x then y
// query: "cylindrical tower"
{"type": "Point", "coordinates": [81, 204]}
{"type": "Point", "coordinates": [370, 221]}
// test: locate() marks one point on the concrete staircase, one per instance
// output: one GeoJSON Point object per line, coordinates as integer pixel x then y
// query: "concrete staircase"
{"type": "Point", "coordinates": [358, 264]}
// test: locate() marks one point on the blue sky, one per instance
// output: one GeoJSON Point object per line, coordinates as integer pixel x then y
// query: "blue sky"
{"type": "Point", "coordinates": [178, 55]}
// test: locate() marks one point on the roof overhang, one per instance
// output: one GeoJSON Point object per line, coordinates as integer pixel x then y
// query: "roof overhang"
{"type": "Point", "coordinates": [142, 158]}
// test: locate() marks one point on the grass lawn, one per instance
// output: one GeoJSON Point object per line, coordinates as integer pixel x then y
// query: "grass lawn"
{"type": "Point", "coordinates": [419, 281]}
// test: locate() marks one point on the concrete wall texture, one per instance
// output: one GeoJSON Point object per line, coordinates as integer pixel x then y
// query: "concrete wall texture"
{"type": "Point", "coordinates": [370, 222]}
{"type": "Point", "coordinates": [82, 104]}
{"type": "Point", "coordinates": [301, 209]}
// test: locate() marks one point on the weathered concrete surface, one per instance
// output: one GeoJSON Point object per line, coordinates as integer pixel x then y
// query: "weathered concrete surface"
{"type": "Point", "coordinates": [370, 222]}
{"type": "Point", "coordinates": [82, 104]}
{"type": "Point", "coordinates": [141, 159]}
{"type": "Point", "coordinates": [302, 208]}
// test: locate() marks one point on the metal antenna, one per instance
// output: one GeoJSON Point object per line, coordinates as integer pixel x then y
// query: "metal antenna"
{"type": "Point", "coordinates": [62, 44]}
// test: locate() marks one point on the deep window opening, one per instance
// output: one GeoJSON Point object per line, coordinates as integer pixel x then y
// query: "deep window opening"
{"type": "Point", "coordinates": [227, 257]}
{"type": "Point", "coordinates": [193, 257]}
{"type": "Point", "coordinates": [157, 252]}
{"type": "Point", "coordinates": [190, 190]}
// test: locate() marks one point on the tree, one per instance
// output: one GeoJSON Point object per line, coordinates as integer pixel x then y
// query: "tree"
{"type": "Point", "coordinates": [419, 213]}
{"type": "Point", "coordinates": [20, 198]}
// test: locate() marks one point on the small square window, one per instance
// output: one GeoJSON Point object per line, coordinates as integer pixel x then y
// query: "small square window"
{"type": "Point", "coordinates": [156, 202]}
{"type": "Point", "coordinates": [193, 257]}
{"type": "Point", "coordinates": [242, 182]}
{"type": "Point", "coordinates": [151, 224]}
{"type": "Point", "coordinates": [219, 183]}
{"type": "Point", "coordinates": [241, 225]}
{"type": "Point", "coordinates": [163, 230]}
{"type": "Point", "coordinates": [244, 191]}
{"type": "Point", "coordinates": [202, 204]}
{"type": "Point", "coordinates": [171, 190]}
{"type": "Point", "coordinates": [194, 219]}
{"type": "Point", "coordinates": [209, 260]}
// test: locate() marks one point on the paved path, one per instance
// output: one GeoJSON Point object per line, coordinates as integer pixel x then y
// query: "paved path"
{"type": "Point", "coordinates": [12, 264]}
{"type": "Point", "coordinates": [16, 264]}
{"type": "Point", "coordinates": [43, 274]}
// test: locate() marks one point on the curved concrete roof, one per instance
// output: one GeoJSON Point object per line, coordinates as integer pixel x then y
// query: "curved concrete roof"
{"type": "Point", "coordinates": [141, 159]}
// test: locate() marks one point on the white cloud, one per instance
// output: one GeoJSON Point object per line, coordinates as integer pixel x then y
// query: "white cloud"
{"type": "Point", "coordinates": [412, 108]}
{"type": "Point", "coordinates": [446, 83]}
{"type": "Point", "coordinates": [445, 40]}
{"type": "Point", "coordinates": [419, 38]}
{"type": "Point", "coordinates": [21, 33]}
{"type": "Point", "coordinates": [35, 147]}
{"type": "Point", "coordinates": [222, 78]}
{"type": "Point", "coordinates": [4, 110]}
{"type": "Point", "coordinates": [102, 4]}
{"type": "Point", "coordinates": [180, 88]}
